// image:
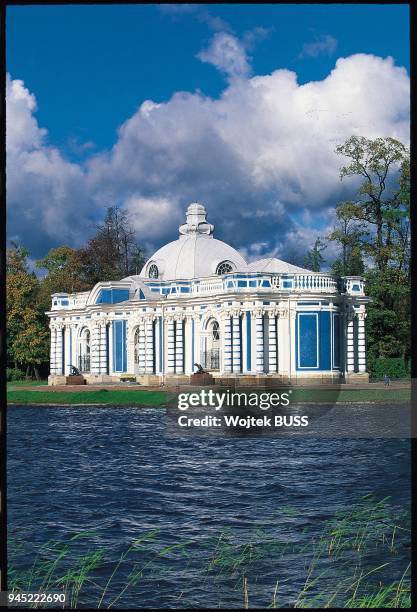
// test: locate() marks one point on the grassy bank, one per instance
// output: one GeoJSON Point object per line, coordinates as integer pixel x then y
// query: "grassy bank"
{"type": "Point", "coordinates": [96, 397]}
{"type": "Point", "coordinates": [139, 397]}
{"type": "Point", "coordinates": [358, 559]}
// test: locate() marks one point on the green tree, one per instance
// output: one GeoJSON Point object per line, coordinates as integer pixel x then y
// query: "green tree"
{"type": "Point", "coordinates": [27, 333]}
{"type": "Point", "coordinates": [375, 227]}
{"type": "Point", "coordinates": [314, 259]}
{"type": "Point", "coordinates": [348, 233]}
{"type": "Point", "coordinates": [65, 273]}
{"type": "Point", "coordinates": [113, 252]}
{"type": "Point", "coordinates": [382, 195]}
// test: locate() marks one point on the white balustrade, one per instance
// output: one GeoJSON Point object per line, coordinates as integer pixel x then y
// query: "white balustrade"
{"type": "Point", "coordinates": [314, 282]}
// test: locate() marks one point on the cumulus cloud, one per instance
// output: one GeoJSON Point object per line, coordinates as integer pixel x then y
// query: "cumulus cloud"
{"type": "Point", "coordinates": [321, 45]}
{"type": "Point", "coordinates": [260, 157]}
{"type": "Point", "coordinates": [46, 195]}
{"type": "Point", "coordinates": [227, 53]}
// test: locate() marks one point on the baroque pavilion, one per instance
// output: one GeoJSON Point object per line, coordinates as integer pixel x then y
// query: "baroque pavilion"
{"type": "Point", "coordinates": [197, 301]}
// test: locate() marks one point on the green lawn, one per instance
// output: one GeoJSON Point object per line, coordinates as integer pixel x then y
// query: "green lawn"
{"type": "Point", "coordinates": [134, 397]}
{"type": "Point", "coordinates": [25, 383]}
{"type": "Point", "coordinates": [119, 397]}
{"type": "Point", "coordinates": [350, 395]}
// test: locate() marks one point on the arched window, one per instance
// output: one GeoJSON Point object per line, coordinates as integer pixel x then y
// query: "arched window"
{"type": "Point", "coordinates": [215, 331]}
{"type": "Point", "coordinates": [84, 351]}
{"type": "Point", "coordinates": [136, 346]}
{"type": "Point", "coordinates": [224, 267]}
{"type": "Point", "coordinates": [153, 271]}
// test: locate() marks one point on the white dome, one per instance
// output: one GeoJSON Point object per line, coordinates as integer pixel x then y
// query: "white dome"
{"type": "Point", "coordinates": [195, 254]}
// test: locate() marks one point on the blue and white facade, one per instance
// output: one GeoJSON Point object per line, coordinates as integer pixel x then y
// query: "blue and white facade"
{"type": "Point", "coordinates": [198, 301]}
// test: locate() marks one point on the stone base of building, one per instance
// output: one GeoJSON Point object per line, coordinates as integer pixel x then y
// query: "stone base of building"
{"type": "Point", "coordinates": [97, 379]}
{"type": "Point", "coordinates": [149, 380]}
{"type": "Point", "coordinates": [220, 380]}
{"type": "Point", "coordinates": [316, 378]}
{"type": "Point", "coordinates": [356, 377]}
{"type": "Point", "coordinates": [60, 379]}
{"type": "Point", "coordinates": [172, 380]}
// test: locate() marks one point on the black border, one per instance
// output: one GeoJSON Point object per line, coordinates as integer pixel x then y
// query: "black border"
{"type": "Point", "coordinates": [413, 220]}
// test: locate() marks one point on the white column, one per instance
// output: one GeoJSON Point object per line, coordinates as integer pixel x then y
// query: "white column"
{"type": "Point", "coordinates": [111, 348]}
{"type": "Point", "coordinates": [244, 343]}
{"type": "Point", "coordinates": [227, 345]}
{"type": "Point", "coordinates": [142, 347]}
{"type": "Point", "coordinates": [236, 357]}
{"type": "Point", "coordinates": [283, 337]}
{"type": "Point", "coordinates": [188, 365]}
{"type": "Point", "coordinates": [170, 343]}
{"type": "Point", "coordinates": [291, 340]}
{"type": "Point", "coordinates": [95, 349]}
{"type": "Point", "coordinates": [58, 350]}
{"type": "Point", "coordinates": [156, 346]}
{"type": "Point", "coordinates": [259, 342]}
{"type": "Point", "coordinates": [179, 346]}
{"type": "Point", "coordinates": [149, 344]}
{"type": "Point", "coordinates": [52, 350]}
{"type": "Point", "coordinates": [196, 326]}
{"type": "Point", "coordinates": [350, 348]}
{"type": "Point", "coordinates": [67, 344]}
{"type": "Point", "coordinates": [361, 342]}
{"type": "Point", "coordinates": [103, 347]}
{"type": "Point", "coordinates": [272, 343]}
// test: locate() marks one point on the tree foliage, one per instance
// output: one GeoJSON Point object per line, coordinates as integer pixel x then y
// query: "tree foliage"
{"type": "Point", "coordinates": [314, 259]}
{"type": "Point", "coordinates": [112, 253]}
{"type": "Point", "coordinates": [375, 228]}
{"type": "Point", "coordinates": [65, 273]}
{"type": "Point", "coordinates": [27, 331]}
{"type": "Point", "coordinates": [382, 203]}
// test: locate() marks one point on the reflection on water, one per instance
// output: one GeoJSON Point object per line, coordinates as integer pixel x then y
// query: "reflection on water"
{"type": "Point", "coordinates": [113, 471]}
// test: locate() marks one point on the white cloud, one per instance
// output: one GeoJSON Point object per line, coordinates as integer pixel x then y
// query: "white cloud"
{"type": "Point", "coordinates": [259, 157]}
{"type": "Point", "coordinates": [46, 194]}
{"type": "Point", "coordinates": [227, 54]}
{"type": "Point", "coordinates": [321, 45]}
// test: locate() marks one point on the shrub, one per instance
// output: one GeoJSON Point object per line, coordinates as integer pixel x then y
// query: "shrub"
{"type": "Point", "coordinates": [14, 374]}
{"type": "Point", "coordinates": [394, 367]}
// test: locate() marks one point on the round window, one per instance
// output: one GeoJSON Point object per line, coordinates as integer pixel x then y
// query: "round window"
{"type": "Point", "coordinates": [153, 271]}
{"type": "Point", "coordinates": [224, 267]}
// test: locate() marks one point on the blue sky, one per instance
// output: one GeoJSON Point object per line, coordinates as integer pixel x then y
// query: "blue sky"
{"type": "Point", "coordinates": [90, 68]}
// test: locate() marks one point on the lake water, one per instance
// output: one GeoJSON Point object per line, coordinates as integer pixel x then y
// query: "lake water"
{"type": "Point", "coordinates": [114, 471]}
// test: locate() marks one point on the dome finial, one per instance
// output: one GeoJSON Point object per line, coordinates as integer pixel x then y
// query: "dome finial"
{"type": "Point", "coordinates": [196, 221]}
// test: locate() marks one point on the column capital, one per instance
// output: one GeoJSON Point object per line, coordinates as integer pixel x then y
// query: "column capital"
{"type": "Point", "coordinates": [283, 312]}
{"type": "Point", "coordinates": [257, 311]}
{"type": "Point", "coordinates": [225, 314]}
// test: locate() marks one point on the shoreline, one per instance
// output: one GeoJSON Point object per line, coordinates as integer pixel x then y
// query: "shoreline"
{"type": "Point", "coordinates": [19, 395]}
